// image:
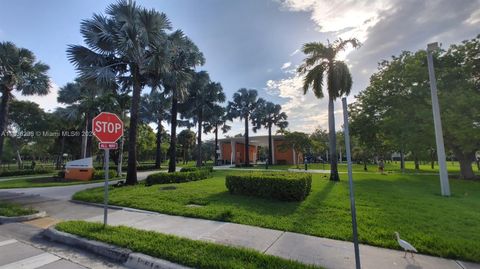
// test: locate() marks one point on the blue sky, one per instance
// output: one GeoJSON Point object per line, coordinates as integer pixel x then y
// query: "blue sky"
{"type": "Point", "coordinates": [247, 42]}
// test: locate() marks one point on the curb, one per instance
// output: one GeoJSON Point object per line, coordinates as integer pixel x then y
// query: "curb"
{"type": "Point", "coordinates": [38, 215]}
{"type": "Point", "coordinates": [116, 207]}
{"type": "Point", "coordinates": [118, 254]}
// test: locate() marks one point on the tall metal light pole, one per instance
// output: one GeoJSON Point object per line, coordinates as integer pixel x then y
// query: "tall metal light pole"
{"type": "Point", "coordinates": [442, 162]}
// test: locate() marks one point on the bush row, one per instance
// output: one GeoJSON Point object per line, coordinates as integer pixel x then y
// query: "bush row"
{"type": "Point", "coordinates": [140, 167]}
{"type": "Point", "coordinates": [100, 174]}
{"type": "Point", "coordinates": [176, 177]}
{"type": "Point", "coordinates": [193, 169]}
{"type": "Point", "coordinates": [273, 185]}
{"type": "Point", "coordinates": [9, 173]}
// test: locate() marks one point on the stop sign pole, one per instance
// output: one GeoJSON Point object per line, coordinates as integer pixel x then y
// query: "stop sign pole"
{"type": "Point", "coordinates": [107, 128]}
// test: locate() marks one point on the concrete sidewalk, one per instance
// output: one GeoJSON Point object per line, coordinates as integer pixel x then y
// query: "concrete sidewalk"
{"type": "Point", "coordinates": [307, 249]}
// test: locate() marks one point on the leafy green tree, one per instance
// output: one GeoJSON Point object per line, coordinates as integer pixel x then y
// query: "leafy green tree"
{"type": "Point", "coordinates": [28, 123]}
{"type": "Point", "coordinates": [216, 120]}
{"type": "Point", "coordinates": [154, 107]}
{"type": "Point", "coordinates": [146, 142]}
{"type": "Point", "coordinates": [298, 141]}
{"type": "Point", "coordinates": [21, 72]}
{"type": "Point", "coordinates": [182, 57]}
{"type": "Point", "coordinates": [243, 106]}
{"type": "Point", "coordinates": [268, 115]}
{"type": "Point", "coordinates": [319, 140]}
{"type": "Point", "coordinates": [203, 96]}
{"type": "Point", "coordinates": [120, 50]}
{"type": "Point", "coordinates": [186, 139]}
{"type": "Point", "coordinates": [322, 60]}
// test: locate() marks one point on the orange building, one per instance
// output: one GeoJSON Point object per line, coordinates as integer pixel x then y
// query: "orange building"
{"type": "Point", "coordinates": [232, 150]}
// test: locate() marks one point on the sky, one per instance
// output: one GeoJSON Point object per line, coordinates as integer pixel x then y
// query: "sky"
{"type": "Point", "coordinates": [256, 43]}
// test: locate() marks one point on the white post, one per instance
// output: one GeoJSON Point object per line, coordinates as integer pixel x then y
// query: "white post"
{"type": "Point", "coordinates": [350, 181]}
{"type": "Point", "coordinates": [105, 188]}
{"type": "Point", "coordinates": [442, 163]}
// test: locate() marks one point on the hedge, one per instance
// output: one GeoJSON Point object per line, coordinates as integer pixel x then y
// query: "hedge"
{"type": "Point", "coordinates": [272, 185]}
{"type": "Point", "coordinates": [9, 173]}
{"type": "Point", "coordinates": [193, 169]}
{"type": "Point", "coordinates": [176, 177]}
{"type": "Point", "coordinates": [140, 167]}
{"type": "Point", "coordinates": [100, 174]}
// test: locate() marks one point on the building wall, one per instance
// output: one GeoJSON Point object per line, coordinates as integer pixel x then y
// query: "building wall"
{"type": "Point", "coordinates": [240, 153]}
{"type": "Point", "coordinates": [226, 151]}
{"type": "Point", "coordinates": [285, 157]}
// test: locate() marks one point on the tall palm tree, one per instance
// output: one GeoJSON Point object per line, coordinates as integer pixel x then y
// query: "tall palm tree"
{"type": "Point", "coordinates": [216, 120]}
{"type": "Point", "coordinates": [268, 115]}
{"type": "Point", "coordinates": [82, 98]}
{"type": "Point", "coordinates": [19, 71]}
{"type": "Point", "coordinates": [154, 108]}
{"type": "Point", "coordinates": [321, 60]}
{"type": "Point", "coordinates": [120, 47]}
{"type": "Point", "coordinates": [182, 57]}
{"type": "Point", "coordinates": [204, 95]}
{"type": "Point", "coordinates": [243, 107]}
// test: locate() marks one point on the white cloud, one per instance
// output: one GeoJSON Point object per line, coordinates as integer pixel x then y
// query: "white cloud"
{"type": "Point", "coordinates": [286, 65]}
{"type": "Point", "coordinates": [47, 102]}
{"type": "Point", "coordinates": [345, 18]}
{"type": "Point", "coordinates": [294, 52]}
{"type": "Point", "coordinates": [305, 112]}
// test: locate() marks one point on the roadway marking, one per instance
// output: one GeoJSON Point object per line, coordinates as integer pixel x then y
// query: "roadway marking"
{"type": "Point", "coordinates": [7, 242]}
{"type": "Point", "coordinates": [32, 262]}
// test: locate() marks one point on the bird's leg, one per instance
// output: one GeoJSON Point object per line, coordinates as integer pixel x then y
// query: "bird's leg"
{"type": "Point", "coordinates": [411, 252]}
{"type": "Point", "coordinates": [405, 255]}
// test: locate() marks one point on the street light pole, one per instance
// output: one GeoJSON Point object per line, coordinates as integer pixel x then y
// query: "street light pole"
{"type": "Point", "coordinates": [442, 163]}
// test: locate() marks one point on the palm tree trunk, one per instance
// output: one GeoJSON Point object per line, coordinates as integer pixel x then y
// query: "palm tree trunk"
{"type": "Point", "coordinates": [173, 135]}
{"type": "Point", "coordinates": [270, 142]}
{"type": "Point", "coordinates": [332, 142]}
{"type": "Point", "coordinates": [247, 155]}
{"type": "Point", "coordinates": [216, 145]}
{"type": "Point", "coordinates": [89, 146]}
{"type": "Point", "coordinates": [402, 161]}
{"type": "Point", "coordinates": [132, 134]}
{"type": "Point", "coordinates": [3, 118]}
{"type": "Point", "coordinates": [158, 151]}
{"type": "Point", "coordinates": [199, 140]}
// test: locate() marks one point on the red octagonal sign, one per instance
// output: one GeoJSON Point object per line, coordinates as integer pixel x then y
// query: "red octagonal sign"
{"type": "Point", "coordinates": [107, 127]}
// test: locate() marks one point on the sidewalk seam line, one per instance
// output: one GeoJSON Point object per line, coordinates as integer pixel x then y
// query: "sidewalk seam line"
{"type": "Point", "coordinates": [460, 264]}
{"type": "Point", "coordinates": [275, 241]}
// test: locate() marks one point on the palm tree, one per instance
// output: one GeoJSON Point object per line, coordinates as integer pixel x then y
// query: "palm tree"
{"type": "Point", "coordinates": [19, 71]}
{"type": "Point", "coordinates": [154, 108]}
{"type": "Point", "coordinates": [120, 49]}
{"type": "Point", "coordinates": [82, 98]}
{"type": "Point", "coordinates": [320, 61]}
{"type": "Point", "coordinates": [204, 95]}
{"type": "Point", "coordinates": [268, 115]}
{"type": "Point", "coordinates": [182, 56]}
{"type": "Point", "coordinates": [243, 107]}
{"type": "Point", "coordinates": [216, 120]}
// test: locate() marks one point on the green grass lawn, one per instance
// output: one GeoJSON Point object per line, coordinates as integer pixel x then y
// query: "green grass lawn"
{"type": "Point", "coordinates": [409, 204]}
{"type": "Point", "coordinates": [392, 167]}
{"type": "Point", "coordinates": [48, 181]}
{"type": "Point", "coordinates": [196, 254]}
{"type": "Point", "coordinates": [14, 210]}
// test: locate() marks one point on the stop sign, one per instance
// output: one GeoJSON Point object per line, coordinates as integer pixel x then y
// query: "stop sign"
{"type": "Point", "coordinates": [107, 127]}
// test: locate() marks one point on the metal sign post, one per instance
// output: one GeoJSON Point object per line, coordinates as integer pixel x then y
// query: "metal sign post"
{"type": "Point", "coordinates": [350, 181]}
{"type": "Point", "coordinates": [107, 128]}
{"type": "Point", "coordinates": [105, 197]}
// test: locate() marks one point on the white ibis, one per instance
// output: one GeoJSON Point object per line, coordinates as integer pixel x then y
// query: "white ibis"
{"type": "Point", "coordinates": [405, 245]}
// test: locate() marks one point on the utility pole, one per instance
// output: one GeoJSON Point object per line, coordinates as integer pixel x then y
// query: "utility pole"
{"type": "Point", "coordinates": [442, 162]}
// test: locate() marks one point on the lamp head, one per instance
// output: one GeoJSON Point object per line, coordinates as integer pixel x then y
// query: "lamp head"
{"type": "Point", "coordinates": [432, 47]}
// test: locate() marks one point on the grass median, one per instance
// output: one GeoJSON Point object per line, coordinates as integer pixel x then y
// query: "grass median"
{"type": "Point", "coordinates": [183, 251]}
{"type": "Point", "coordinates": [409, 204]}
{"type": "Point", "coordinates": [49, 181]}
{"type": "Point", "coordinates": [14, 210]}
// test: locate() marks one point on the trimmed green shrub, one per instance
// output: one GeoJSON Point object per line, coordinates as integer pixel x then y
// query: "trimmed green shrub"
{"type": "Point", "coordinates": [9, 173]}
{"type": "Point", "coordinates": [100, 174]}
{"type": "Point", "coordinates": [272, 185]}
{"type": "Point", "coordinates": [176, 177]}
{"type": "Point", "coordinates": [193, 169]}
